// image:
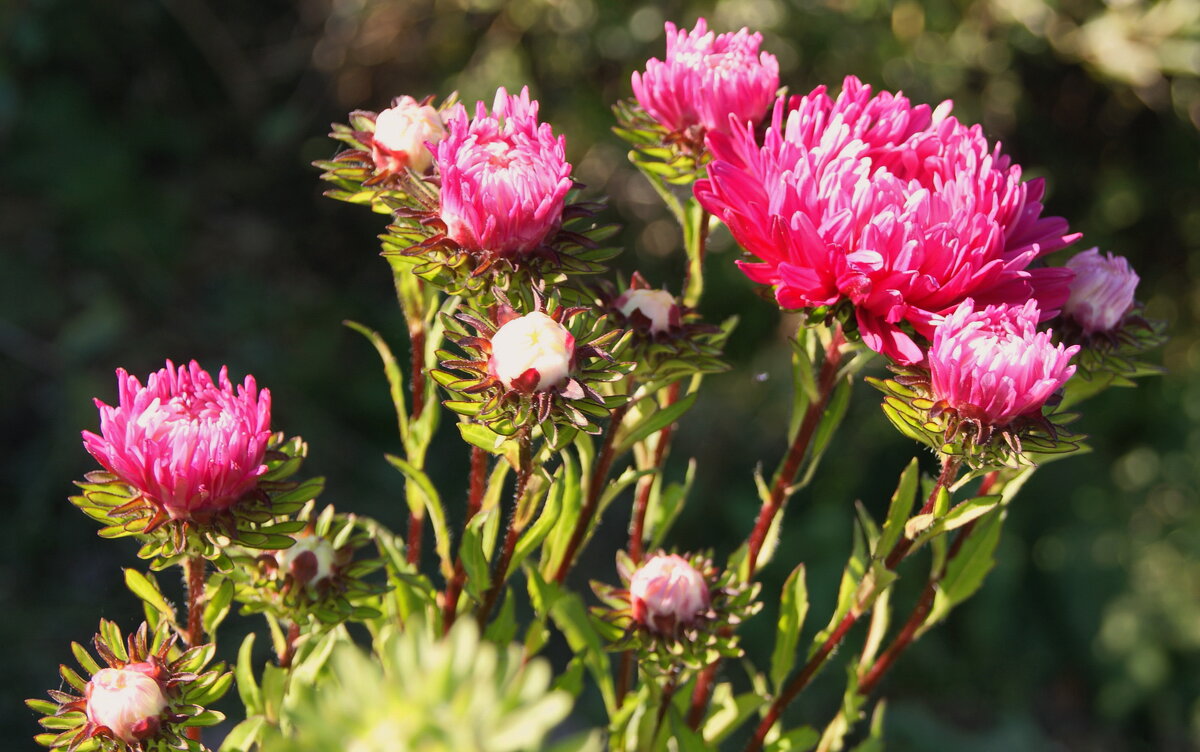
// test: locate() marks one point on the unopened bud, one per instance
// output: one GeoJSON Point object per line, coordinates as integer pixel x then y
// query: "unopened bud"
{"type": "Point", "coordinates": [658, 306]}
{"type": "Point", "coordinates": [309, 560]}
{"type": "Point", "coordinates": [128, 701]}
{"type": "Point", "coordinates": [533, 353]}
{"type": "Point", "coordinates": [1102, 291]}
{"type": "Point", "coordinates": [668, 593]}
{"type": "Point", "coordinates": [401, 134]}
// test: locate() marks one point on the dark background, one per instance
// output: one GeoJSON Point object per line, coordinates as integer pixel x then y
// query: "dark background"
{"type": "Point", "coordinates": [156, 200]}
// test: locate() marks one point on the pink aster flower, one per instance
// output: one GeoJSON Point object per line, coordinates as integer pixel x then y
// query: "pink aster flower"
{"type": "Point", "coordinates": [992, 366]}
{"type": "Point", "coordinates": [899, 209]}
{"type": "Point", "coordinates": [504, 177]}
{"type": "Point", "coordinates": [1102, 291]}
{"type": "Point", "coordinates": [707, 79]}
{"type": "Point", "coordinates": [192, 448]}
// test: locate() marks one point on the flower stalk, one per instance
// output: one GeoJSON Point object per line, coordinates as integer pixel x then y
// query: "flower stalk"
{"type": "Point", "coordinates": [515, 526]}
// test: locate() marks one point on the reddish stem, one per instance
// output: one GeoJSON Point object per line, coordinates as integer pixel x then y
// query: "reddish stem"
{"type": "Point", "coordinates": [795, 456]}
{"type": "Point", "coordinates": [289, 650]}
{"type": "Point", "coordinates": [514, 530]}
{"type": "Point", "coordinates": [908, 633]}
{"type": "Point", "coordinates": [637, 524]}
{"type": "Point", "coordinates": [624, 676]}
{"type": "Point", "coordinates": [801, 680]}
{"type": "Point", "coordinates": [700, 695]}
{"type": "Point", "coordinates": [950, 465]}
{"type": "Point", "coordinates": [474, 502]}
{"type": "Point", "coordinates": [416, 521]}
{"type": "Point", "coordinates": [194, 571]}
{"type": "Point", "coordinates": [595, 487]}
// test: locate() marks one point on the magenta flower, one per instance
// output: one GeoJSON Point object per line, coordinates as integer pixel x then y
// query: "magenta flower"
{"type": "Point", "coordinates": [1102, 291]}
{"type": "Point", "coordinates": [504, 177]}
{"type": "Point", "coordinates": [899, 209]}
{"type": "Point", "coordinates": [190, 447]}
{"type": "Point", "coordinates": [708, 78]}
{"type": "Point", "coordinates": [992, 366]}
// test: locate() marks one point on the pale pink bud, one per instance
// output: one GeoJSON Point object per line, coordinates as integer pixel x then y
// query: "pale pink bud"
{"type": "Point", "coordinates": [993, 366]}
{"type": "Point", "coordinates": [402, 135]}
{"type": "Point", "coordinates": [309, 560]}
{"type": "Point", "coordinates": [533, 353]}
{"type": "Point", "coordinates": [658, 306]}
{"type": "Point", "coordinates": [1102, 291]}
{"type": "Point", "coordinates": [668, 593]}
{"type": "Point", "coordinates": [129, 701]}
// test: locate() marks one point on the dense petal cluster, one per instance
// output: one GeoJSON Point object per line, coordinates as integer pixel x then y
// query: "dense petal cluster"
{"type": "Point", "coordinates": [128, 701]}
{"type": "Point", "coordinates": [189, 446]}
{"type": "Point", "coordinates": [992, 366]}
{"type": "Point", "coordinates": [707, 78]}
{"type": "Point", "coordinates": [899, 209]}
{"type": "Point", "coordinates": [667, 593]}
{"type": "Point", "coordinates": [1102, 291]}
{"type": "Point", "coordinates": [504, 177]}
{"type": "Point", "coordinates": [402, 136]}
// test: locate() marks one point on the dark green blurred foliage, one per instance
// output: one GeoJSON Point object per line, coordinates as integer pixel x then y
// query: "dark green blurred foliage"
{"type": "Point", "coordinates": [157, 202]}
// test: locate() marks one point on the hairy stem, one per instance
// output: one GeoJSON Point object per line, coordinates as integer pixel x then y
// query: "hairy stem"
{"type": "Point", "coordinates": [525, 471]}
{"type": "Point", "coordinates": [194, 572]}
{"type": "Point", "coordinates": [416, 521]}
{"type": "Point", "coordinates": [595, 488]}
{"type": "Point", "coordinates": [474, 502]}
{"type": "Point", "coordinates": [637, 523]}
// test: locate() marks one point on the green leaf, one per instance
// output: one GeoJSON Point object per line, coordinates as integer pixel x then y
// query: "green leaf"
{"type": "Point", "coordinates": [246, 684]}
{"type": "Point", "coordinates": [899, 509]}
{"type": "Point", "coordinates": [483, 437]}
{"type": "Point", "coordinates": [797, 740]}
{"type": "Point", "coordinates": [433, 504]}
{"type": "Point", "coordinates": [966, 572]}
{"type": "Point", "coordinates": [473, 558]}
{"type": "Point", "coordinates": [572, 619]}
{"type": "Point", "coordinates": [831, 419]}
{"type": "Point", "coordinates": [656, 421]}
{"type": "Point", "coordinates": [729, 712]}
{"type": "Point", "coordinates": [243, 737]}
{"type": "Point", "coordinates": [216, 607]}
{"type": "Point", "coordinates": [792, 610]}
{"type": "Point", "coordinates": [146, 589]}
{"type": "Point", "coordinates": [665, 506]}
{"type": "Point", "coordinates": [391, 369]}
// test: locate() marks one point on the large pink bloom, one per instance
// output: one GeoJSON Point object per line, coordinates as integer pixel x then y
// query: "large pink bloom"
{"type": "Point", "coordinates": [993, 366]}
{"type": "Point", "coordinates": [707, 78]}
{"type": "Point", "coordinates": [191, 447]}
{"type": "Point", "coordinates": [504, 177]}
{"type": "Point", "coordinates": [900, 209]}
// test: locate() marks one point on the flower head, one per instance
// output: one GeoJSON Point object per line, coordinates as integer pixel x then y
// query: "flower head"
{"type": "Point", "coordinates": [532, 353]}
{"type": "Point", "coordinates": [1102, 291]}
{"type": "Point", "coordinates": [992, 367]}
{"type": "Point", "coordinates": [667, 594]}
{"type": "Point", "coordinates": [658, 309]}
{"type": "Point", "coordinates": [896, 211]}
{"type": "Point", "coordinates": [402, 136]}
{"type": "Point", "coordinates": [191, 447]}
{"type": "Point", "coordinates": [504, 177]}
{"type": "Point", "coordinates": [707, 79]}
{"type": "Point", "coordinates": [127, 701]}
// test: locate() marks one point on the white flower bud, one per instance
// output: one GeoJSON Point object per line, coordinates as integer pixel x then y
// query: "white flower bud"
{"type": "Point", "coordinates": [1102, 291]}
{"type": "Point", "coordinates": [658, 306]}
{"type": "Point", "coordinates": [309, 560]}
{"type": "Point", "coordinates": [668, 593]}
{"type": "Point", "coordinates": [129, 701]}
{"type": "Point", "coordinates": [401, 134]}
{"type": "Point", "coordinates": [534, 353]}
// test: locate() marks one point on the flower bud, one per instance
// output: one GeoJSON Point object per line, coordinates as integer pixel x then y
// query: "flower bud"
{"type": "Point", "coordinates": [128, 701]}
{"type": "Point", "coordinates": [658, 306]}
{"type": "Point", "coordinates": [401, 134]}
{"type": "Point", "coordinates": [1102, 291]}
{"type": "Point", "coordinates": [668, 593]}
{"type": "Point", "coordinates": [309, 560]}
{"type": "Point", "coordinates": [533, 353]}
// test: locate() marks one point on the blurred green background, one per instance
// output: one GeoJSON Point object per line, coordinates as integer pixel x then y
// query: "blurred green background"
{"type": "Point", "coordinates": [158, 202]}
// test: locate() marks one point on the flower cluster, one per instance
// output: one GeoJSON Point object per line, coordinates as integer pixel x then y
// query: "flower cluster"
{"type": "Point", "coordinates": [896, 210]}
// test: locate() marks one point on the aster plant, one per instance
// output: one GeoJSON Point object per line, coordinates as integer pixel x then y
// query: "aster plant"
{"type": "Point", "coordinates": [915, 256]}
